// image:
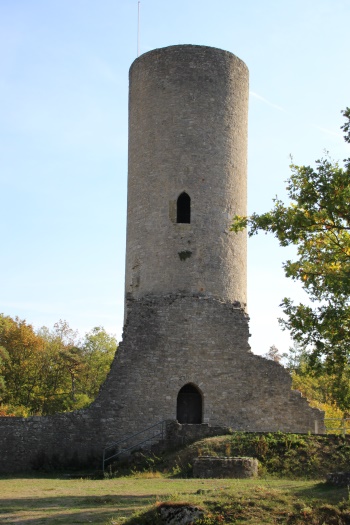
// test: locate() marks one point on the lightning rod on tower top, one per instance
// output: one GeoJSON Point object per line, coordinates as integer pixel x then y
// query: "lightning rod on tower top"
{"type": "Point", "coordinates": [138, 28]}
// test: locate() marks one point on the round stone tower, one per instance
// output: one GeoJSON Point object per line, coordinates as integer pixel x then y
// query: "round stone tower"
{"type": "Point", "coordinates": [185, 354]}
{"type": "Point", "coordinates": [188, 110]}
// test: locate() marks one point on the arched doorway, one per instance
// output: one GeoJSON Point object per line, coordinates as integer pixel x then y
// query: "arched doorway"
{"type": "Point", "coordinates": [189, 405]}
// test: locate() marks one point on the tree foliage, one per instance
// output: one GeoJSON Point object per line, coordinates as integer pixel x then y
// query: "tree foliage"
{"type": "Point", "coordinates": [320, 388]}
{"type": "Point", "coordinates": [346, 126]}
{"type": "Point", "coordinates": [317, 222]}
{"type": "Point", "coordinates": [50, 371]}
{"type": "Point", "coordinates": [98, 350]}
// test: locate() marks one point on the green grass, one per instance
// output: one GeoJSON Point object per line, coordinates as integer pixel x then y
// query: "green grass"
{"type": "Point", "coordinates": [63, 501]}
{"type": "Point", "coordinates": [290, 490]}
{"type": "Point", "coordinates": [134, 499]}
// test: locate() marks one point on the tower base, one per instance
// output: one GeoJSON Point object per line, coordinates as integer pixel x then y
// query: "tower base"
{"type": "Point", "coordinates": [183, 357]}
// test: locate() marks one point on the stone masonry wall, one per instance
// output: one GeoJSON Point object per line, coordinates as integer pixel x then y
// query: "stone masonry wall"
{"type": "Point", "coordinates": [168, 342]}
{"type": "Point", "coordinates": [188, 116]}
{"type": "Point", "coordinates": [49, 442]}
{"type": "Point", "coordinates": [178, 339]}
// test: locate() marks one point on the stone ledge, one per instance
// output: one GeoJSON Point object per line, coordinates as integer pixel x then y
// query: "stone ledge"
{"type": "Point", "coordinates": [225, 467]}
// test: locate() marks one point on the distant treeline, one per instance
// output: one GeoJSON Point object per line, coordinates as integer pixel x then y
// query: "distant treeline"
{"type": "Point", "coordinates": [47, 371]}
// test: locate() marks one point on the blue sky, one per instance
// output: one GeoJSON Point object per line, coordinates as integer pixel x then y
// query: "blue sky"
{"type": "Point", "coordinates": [63, 138]}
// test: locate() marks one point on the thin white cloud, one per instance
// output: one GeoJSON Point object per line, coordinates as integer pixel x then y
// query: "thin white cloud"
{"type": "Point", "coordinates": [323, 130]}
{"type": "Point", "coordinates": [329, 131]}
{"type": "Point", "coordinates": [259, 97]}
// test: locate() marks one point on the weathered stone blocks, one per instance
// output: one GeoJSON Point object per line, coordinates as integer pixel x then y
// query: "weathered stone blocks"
{"type": "Point", "coordinates": [188, 115]}
{"type": "Point", "coordinates": [222, 467]}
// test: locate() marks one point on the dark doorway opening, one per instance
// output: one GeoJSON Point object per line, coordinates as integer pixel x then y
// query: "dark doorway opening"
{"type": "Point", "coordinates": [189, 405]}
{"type": "Point", "coordinates": [183, 209]}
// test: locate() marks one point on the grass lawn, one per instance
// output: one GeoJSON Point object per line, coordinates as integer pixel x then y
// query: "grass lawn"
{"type": "Point", "coordinates": [59, 500]}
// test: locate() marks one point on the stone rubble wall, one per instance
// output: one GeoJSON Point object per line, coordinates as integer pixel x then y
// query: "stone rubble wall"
{"type": "Point", "coordinates": [177, 435]}
{"type": "Point", "coordinates": [168, 342]}
{"type": "Point", "coordinates": [70, 439]}
{"type": "Point", "coordinates": [225, 467]}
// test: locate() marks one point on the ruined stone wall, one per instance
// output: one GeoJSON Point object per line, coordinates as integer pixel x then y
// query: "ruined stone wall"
{"type": "Point", "coordinates": [169, 341]}
{"type": "Point", "coordinates": [174, 340]}
{"type": "Point", "coordinates": [71, 439]}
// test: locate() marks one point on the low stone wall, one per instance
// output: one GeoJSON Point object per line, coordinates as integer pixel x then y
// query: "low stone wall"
{"type": "Point", "coordinates": [177, 435]}
{"type": "Point", "coordinates": [59, 441]}
{"type": "Point", "coordinates": [225, 467]}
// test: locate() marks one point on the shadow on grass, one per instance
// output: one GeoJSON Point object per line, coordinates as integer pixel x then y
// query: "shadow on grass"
{"type": "Point", "coordinates": [325, 492]}
{"type": "Point", "coordinates": [68, 518]}
{"type": "Point", "coordinates": [88, 509]}
{"type": "Point", "coordinates": [53, 475]}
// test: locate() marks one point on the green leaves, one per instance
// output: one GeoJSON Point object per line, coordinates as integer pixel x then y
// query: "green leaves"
{"type": "Point", "coordinates": [98, 349]}
{"type": "Point", "coordinates": [317, 221]}
{"type": "Point", "coordinates": [50, 370]}
{"type": "Point", "coordinates": [346, 126]}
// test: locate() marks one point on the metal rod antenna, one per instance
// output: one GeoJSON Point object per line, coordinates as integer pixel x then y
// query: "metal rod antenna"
{"type": "Point", "coordinates": [138, 28]}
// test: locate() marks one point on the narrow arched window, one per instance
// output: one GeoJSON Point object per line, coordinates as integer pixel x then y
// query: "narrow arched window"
{"type": "Point", "coordinates": [183, 209]}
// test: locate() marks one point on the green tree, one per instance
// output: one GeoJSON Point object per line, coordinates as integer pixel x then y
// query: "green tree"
{"type": "Point", "coordinates": [346, 126]}
{"type": "Point", "coordinates": [98, 348]}
{"type": "Point", "coordinates": [4, 357]}
{"type": "Point", "coordinates": [65, 364]}
{"type": "Point", "coordinates": [317, 387]}
{"type": "Point", "coordinates": [21, 357]}
{"type": "Point", "coordinates": [50, 371]}
{"type": "Point", "coordinates": [317, 222]}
